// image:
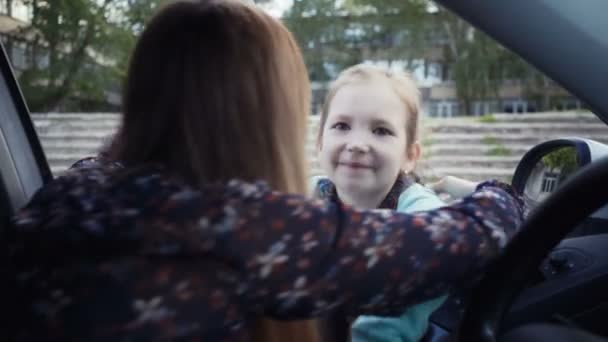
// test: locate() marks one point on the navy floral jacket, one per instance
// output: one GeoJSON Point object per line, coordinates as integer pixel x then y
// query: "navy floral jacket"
{"type": "Point", "coordinates": [108, 253]}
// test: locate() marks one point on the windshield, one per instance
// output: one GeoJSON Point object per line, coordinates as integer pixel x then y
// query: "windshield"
{"type": "Point", "coordinates": [482, 107]}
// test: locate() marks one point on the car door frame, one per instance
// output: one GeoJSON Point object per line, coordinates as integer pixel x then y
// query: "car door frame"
{"type": "Point", "coordinates": [23, 165]}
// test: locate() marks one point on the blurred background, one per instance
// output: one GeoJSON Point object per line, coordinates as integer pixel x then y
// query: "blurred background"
{"type": "Point", "coordinates": [483, 105]}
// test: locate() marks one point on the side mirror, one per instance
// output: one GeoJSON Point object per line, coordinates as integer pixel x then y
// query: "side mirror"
{"type": "Point", "coordinates": [547, 165]}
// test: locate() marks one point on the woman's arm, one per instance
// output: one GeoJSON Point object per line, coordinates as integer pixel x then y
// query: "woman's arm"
{"type": "Point", "coordinates": [304, 257]}
{"type": "Point", "coordinates": [293, 257]}
{"type": "Point", "coordinates": [413, 323]}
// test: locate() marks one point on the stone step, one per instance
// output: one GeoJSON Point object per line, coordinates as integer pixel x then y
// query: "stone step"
{"type": "Point", "coordinates": [544, 119]}
{"type": "Point", "coordinates": [566, 116]}
{"type": "Point", "coordinates": [76, 116]}
{"type": "Point", "coordinates": [462, 147]}
{"type": "Point", "coordinates": [55, 135]}
{"type": "Point", "coordinates": [64, 158]}
{"type": "Point", "coordinates": [437, 150]}
{"type": "Point", "coordinates": [73, 114]}
{"type": "Point", "coordinates": [580, 116]}
{"type": "Point", "coordinates": [69, 127]}
{"type": "Point", "coordinates": [113, 118]}
{"type": "Point", "coordinates": [70, 143]}
{"type": "Point", "coordinates": [57, 169]}
{"type": "Point", "coordinates": [474, 161]}
{"type": "Point", "coordinates": [502, 138]}
{"type": "Point", "coordinates": [517, 128]}
{"type": "Point", "coordinates": [68, 153]}
{"type": "Point", "coordinates": [548, 117]}
{"type": "Point", "coordinates": [470, 173]}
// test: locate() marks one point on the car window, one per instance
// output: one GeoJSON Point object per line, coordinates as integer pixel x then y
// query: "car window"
{"type": "Point", "coordinates": [565, 42]}
{"type": "Point", "coordinates": [483, 106]}
{"type": "Point", "coordinates": [23, 168]}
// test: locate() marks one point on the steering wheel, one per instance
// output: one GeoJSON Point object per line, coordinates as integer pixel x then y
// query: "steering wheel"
{"type": "Point", "coordinates": [542, 230]}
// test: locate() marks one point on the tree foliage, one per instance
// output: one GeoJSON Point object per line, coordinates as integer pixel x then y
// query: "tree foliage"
{"type": "Point", "coordinates": [79, 49]}
{"type": "Point", "coordinates": [336, 34]}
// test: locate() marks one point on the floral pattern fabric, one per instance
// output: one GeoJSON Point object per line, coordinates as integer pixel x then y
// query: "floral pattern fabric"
{"type": "Point", "coordinates": [112, 253]}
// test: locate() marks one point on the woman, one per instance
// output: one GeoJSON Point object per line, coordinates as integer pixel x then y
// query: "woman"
{"type": "Point", "coordinates": [179, 232]}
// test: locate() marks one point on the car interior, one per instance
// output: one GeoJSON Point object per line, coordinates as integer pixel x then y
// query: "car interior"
{"type": "Point", "coordinates": [550, 283]}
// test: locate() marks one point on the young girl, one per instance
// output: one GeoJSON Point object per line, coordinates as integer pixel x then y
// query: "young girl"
{"type": "Point", "coordinates": [195, 225]}
{"type": "Point", "coordinates": [368, 148]}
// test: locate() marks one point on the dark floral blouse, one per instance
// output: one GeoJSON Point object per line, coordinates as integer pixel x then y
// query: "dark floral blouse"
{"type": "Point", "coordinates": [113, 254]}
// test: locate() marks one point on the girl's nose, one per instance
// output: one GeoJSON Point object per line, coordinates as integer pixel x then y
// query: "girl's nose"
{"type": "Point", "coordinates": [357, 147]}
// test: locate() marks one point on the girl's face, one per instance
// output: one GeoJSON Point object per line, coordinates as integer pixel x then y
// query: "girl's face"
{"type": "Point", "coordinates": [363, 147]}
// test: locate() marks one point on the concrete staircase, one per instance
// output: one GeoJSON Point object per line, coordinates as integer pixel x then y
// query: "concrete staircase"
{"type": "Point", "coordinates": [491, 146]}
{"type": "Point", "coordinates": [68, 137]}
{"type": "Point", "coordinates": [473, 148]}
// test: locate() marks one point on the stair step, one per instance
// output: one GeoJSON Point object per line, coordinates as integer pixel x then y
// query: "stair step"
{"type": "Point", "coordinates": [436, 150]}
{"type": "Point", "coordinates": [53, 145]}
{"type": "Point", "coordinates": [581, 116]}
{"type": "Point", "coordinates": [472, 161]}
{"type": "Point", "coordinates": [517, 128]}
{"type": "Point", "coordinates": [53, 135]}
{"type": "Point", "coordinates": [473, 174]}
{"type": "Point", "coordinates": [76, 116]}
{"type": "Point", "coordinates": [503, 139]}
{"type": "Point", "coordinates": [462, 147]}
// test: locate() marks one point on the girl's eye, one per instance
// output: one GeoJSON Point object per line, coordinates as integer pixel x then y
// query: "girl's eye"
{"type": "Point", "coordinates": [382, 131]}
{"type": "Point", "coordinates": [340, 126]}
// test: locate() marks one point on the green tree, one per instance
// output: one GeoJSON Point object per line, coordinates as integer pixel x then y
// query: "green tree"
{"type": "Point", "coordinates": [127, 22]}
{"type": "Point", "coordinates": [335, 35]}
{"type": "Point", "coordinates": [61, 51]}
{"type": "Point", "coordinates": [563, 161]}
{"type": "Point", "coordinates": [338, 34]}
{"type": "Point", "coordinates": [79, 50]}
{"type": "Point", "coordinates": [479, 66]}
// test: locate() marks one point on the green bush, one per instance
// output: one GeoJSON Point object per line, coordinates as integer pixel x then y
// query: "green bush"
{"type": "Point", "coordinates": [489, 118]}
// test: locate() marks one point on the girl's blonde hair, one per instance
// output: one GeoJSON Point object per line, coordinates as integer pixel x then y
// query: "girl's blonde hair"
{"type": "Point", "coordinates": [401, 82]}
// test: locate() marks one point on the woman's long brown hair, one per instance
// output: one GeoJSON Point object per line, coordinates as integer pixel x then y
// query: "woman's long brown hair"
{"type": "Point", "coordinates": [218, 90]}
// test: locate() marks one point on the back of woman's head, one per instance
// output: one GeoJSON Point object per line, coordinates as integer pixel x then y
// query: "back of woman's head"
{"type": "Point", "coordinates": [216, 90]}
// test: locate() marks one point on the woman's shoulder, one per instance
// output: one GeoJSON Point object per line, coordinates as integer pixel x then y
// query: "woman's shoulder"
{"type": "Point", "coordinates": [111, 208]}
{"type": "Point", "coordinates": [101, 160]}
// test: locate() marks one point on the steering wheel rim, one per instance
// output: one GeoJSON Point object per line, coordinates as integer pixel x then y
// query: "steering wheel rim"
{"type": "Point", "coordinates": [506, 277]}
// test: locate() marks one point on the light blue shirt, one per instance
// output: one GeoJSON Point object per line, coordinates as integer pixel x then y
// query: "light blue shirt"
{"type": "Point", "coordinates": [413, 323]}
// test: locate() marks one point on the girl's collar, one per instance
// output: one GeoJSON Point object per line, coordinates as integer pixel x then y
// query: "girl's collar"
{"type": "Point", "coordinates": [326, 189]}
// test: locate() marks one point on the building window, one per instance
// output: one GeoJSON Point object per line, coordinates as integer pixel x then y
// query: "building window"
{"type": "Point", "coordinates": [18, 57]}
{"type": "Point", "coordinates": [444, 108]}
{"type": "Point", "coordinates": [568, 104]}
{"type": "Point", "coordinates": [481, 108]}
{"type": "Point", "coordinates": [549, 182]}
{"type": "Point", "coordinates": [432, 109]}
{"type": "Point", "coordinates": [515, 106]}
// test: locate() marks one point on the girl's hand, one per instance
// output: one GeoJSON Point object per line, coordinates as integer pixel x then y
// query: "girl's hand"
{"type": "Point", "coordinates": [453, 186]}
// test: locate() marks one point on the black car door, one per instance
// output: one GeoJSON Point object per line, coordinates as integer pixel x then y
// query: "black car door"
{"type": "Point", "coordinates": [23, 170]}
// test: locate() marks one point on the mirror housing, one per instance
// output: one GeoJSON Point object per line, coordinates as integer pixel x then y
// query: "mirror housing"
{"type": "Point", "coordinates": [546, 165]}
